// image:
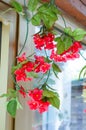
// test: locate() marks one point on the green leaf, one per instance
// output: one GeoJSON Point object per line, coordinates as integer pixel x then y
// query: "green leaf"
{"type": "Point", "coordinates": [45, 14]}
{"type": "Point", "coordinates": [36, 20]}
{"type": "Point", "coordinates": [43, 7]}
{"type": "Point", "coordinates": [32, 74]}
{"type": "Point", "coordinates": [47, 9]}
{"type": "Point", "coordinates": [68, 42]}
{"type": "Point", "coordinates": [56, 74]}
{"type": "Point", "coordinates": [48, 93]}
{"type": "Point", "coordinates": [78, 34]}
{"type": "Point", "coordinates": [56, 67]}
{"type": "Point", "coordinates": [32, 5]}
{"type": "Point", "coordinates": [60, 45]}
{"type": "Point", "coordinates": [11, 93]}
{"type": "Point", "coordinates": [54, 102]}
{"type": "Point", "coordinates": [14, 68]}
{"type": "Point", "coordinates": [12, 107]}
{"type": "Point", "coordinates": [17, 6]}
{"type": "Point", "coordinates": [48, 21]}
{"type": "Point", "coordinates": [68, 31]}
{"type": "Point", "coordinates": [47, 60]}
{"type": "Point", "coordinates": [63, 43]}
{"type": "Point", "coordinates": [4, 95]}
{"type": "Point", "coordinates": [48, 15]}
{"type": "Point", "coordinates": [55, 9]}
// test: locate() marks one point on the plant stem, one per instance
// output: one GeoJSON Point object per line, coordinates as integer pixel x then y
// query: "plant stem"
{"type": "Point", "coordinates": [25, 40]}
{"type": "Point", "coordinates": [17, 86]}
{"type": "Point", "coordinates": [52, 2]}
{"type": "Point", "coordinates": [47, 77]}
{"type": "Point", "coordinates": [64, 21]}
{"type": "Point", "coordinates": [50, 87]}
{"type": "Point", "coordinates": [26, 37]}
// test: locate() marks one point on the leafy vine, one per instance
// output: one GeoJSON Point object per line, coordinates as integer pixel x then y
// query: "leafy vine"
{"type": "Point", "coordinates": [56, 49]}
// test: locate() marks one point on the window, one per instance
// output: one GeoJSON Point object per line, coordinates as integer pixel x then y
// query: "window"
{"type": "Point", "coordinates": [70, 116]}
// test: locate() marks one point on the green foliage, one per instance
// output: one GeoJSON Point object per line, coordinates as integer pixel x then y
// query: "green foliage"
{"type": "Point", "coordinates": [68, 31]}
{"type": "Point", "coordinates": [63, 43]}
{"type": "Point", "coordinates": [55, 102]}
{"type": "Point", "coordinates": [14, 68]}
{"type": "Point", "coordinates": [12, 107]}
{"type": "Point", "coordinates": [47, 14]}
{"type": "Point", "coordinates": [17, 6]}
{"type": "Point", "coordinates": [48, 93]}
{"type": "Point", "coordinates": [60, 45]}
{"type": "Point", "coordinates": [52, 97]}
{"type": "Point", "coordinates": [32, 5]}
{"type": "Point", "coordinates": [56, 74]}
{"type": "Point", "coordinates": [13, 103]}
{"type": "Point", "coordinates": [67, 41]}
{"type": "Point", "coordinates": [32, 74]}
{"type": "Point", "coordinates": [56, 67]}
{"type": "Point", "coordinates": [11, 93]}
{"type": "Point", "coordinates": [78, 34]}
{"type": "Point", "coordinates": [18, 66]}
{"type": "Point", "coordinates": [36, 20]}
{"type": "Point", "coordinates": [47, 60]}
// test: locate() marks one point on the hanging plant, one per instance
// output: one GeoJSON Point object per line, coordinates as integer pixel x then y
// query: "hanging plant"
{"type": "Point", "coordinates": [56, 49]}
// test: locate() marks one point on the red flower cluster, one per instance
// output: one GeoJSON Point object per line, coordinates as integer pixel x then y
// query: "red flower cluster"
{"type": "Point", "coordinates": [44, 42]}
{"type": "Point", "coordinates": [71, 53]}
{"type": "Point", "coordinates": [21, 72]}
{"type": "Point", "coordinates": [35, 102]}
{"type": "Point", "coordinates": [39, 65]}
{"type": "Point", "coordinates": [42, 66]}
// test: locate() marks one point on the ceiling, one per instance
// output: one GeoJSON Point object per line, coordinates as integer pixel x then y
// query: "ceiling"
{"type": "Point", "coordinates": [75, 8]}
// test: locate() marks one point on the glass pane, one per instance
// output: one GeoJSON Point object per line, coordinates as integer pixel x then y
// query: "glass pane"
{"type": "Point", "coordinates": [72, 113]}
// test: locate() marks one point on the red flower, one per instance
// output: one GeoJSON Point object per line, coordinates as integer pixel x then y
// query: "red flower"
{"type": "Point", "coordinates": [21, 75]}
{"type": "Point", "coordinates": [39, 42]}
{"type": "Point", "coordinates": [22, 57]}
{"type": "Point", "coordinates": [57, 58]}
{"type": "Point", "coordinates": [36, 102]}
{"type": "Point", "coordinates": [29, 66]}
{"type": "Point", "coordinates": [44, 42]}
{"type": "Point", "coordinates": [69, 54]}
{"type": "Point", "coordinates": [39, 59]}
{"type": "Point", "coordinates": [75, 47]}
{"type": "Point", "coordinates": [22, 91]}
{"type": "Point", "coordinates": [32, 104]}
{"type": "Point", "coordinates": [45, 67]}
{"type": "Point", "coordinates": [49, 46]}
{"type": "Point", "coordinates": [41, 65]}
{"type": "Point", "coordinates": [36, 94]}
{"type": "Point", "coordinates": [43, 106]}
